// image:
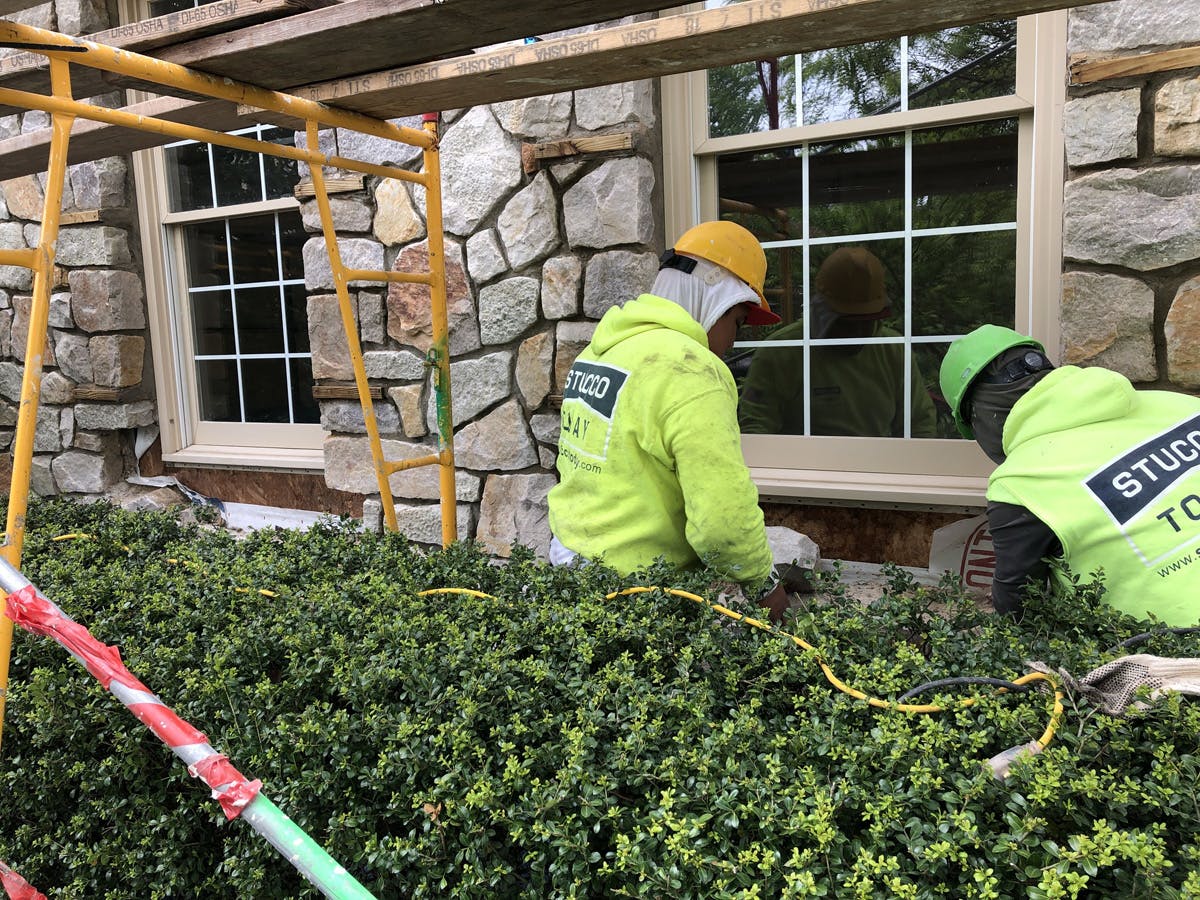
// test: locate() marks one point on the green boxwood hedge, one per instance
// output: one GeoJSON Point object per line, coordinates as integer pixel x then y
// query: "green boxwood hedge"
{"type": "Point", "coordinates": [550, 743]}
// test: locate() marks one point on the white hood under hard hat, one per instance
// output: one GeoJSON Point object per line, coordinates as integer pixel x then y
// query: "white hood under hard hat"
{"type": "Point", "coordinates": [707, 293]}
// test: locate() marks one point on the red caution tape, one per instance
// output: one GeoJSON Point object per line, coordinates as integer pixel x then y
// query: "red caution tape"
{"type": "Point", "coordinates": [35, 613]}
{"type": "Point", "coordinates": [171, 730]}
{"type": "Point", "coordinates": [217, 770]}
{"type": "Point", "coordinates": [17, 887]}
{"type": "Point", "coordinates": [32, 611]}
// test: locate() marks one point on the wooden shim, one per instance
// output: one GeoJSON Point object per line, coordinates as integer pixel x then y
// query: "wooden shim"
{"type": "Point", "coordinates": [344, 185]}
{"type": "Point", "coordinates": [575, 146]}
{"type": "Point", "coordinates": [95, 392]}
{"type": "Point", "coordinates": [1085, 70]}
{"type": "Point", "coordinates": [533, 154]}
{"type": "Point", "coordinates": [756, 29]}
{"type": "Point", "coordinates": [344, 390]}
{"type": "Point", "coordinates": [81, 217]}
{"type": "Point", "coordinates": [27, 71]}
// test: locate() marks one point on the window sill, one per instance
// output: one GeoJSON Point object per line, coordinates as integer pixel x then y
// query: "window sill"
{"type": "Point", "coordinates": [256, 458]}
{"type": "Point", "coordinates": [942, 492]}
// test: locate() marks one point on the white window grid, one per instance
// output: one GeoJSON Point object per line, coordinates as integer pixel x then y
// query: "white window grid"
{"type": "Point", "coordinates": [232, 287]}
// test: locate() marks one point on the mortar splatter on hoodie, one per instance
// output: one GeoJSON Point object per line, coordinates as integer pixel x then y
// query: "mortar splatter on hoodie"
{"type": "Point", "coordinates": [649, 455]}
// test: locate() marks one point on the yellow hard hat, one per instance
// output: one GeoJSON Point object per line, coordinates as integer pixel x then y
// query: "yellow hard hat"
{"type": "Point", "coordinates": [732, 247]}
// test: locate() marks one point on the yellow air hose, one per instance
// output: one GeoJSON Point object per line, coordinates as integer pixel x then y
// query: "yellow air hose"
{"type": "Point", "coordinates": [913, 708]}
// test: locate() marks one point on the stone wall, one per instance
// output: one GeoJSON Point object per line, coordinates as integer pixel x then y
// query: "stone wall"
{"type": "Point", "coordinates": [532, 260]}
{"type": "Point", "coordinates": [96, 387]}
{"type": "Point", "coordinates": [1131, 235]}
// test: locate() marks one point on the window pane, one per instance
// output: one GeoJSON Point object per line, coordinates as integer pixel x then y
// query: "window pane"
{"type": "Point", "coordinates": [281, 174]}
{"type": "Point", "coordinates": [212, 319]}
{"type": "Point", "coordinates": [292, 237]}
{"type": "Point", "coordinates": [850, 82]}
{"type": "Point", "coordinates": [973, 62]}
{"type": "Point", "coordinates": [189, 181]}
{"type": "Point", "coordinates": [295, 302]}
{"type": "Point", "coordinates": [752, 96]}
{"type": "Point", "coordinates": [267, 395]}
{"type": "Point", "coordinates": [218, 380]}
{"type": "Point", "coordinates": [304, 408]}
{"type": "Point", "coordinates": [854, 286]}
{"type": "Point", "coordinates": [259, 320]}
{"type": "Point", "coordinates": [207, 254]}
{"type": "Point", "coordinates": [238, 176]}
{"type": "Point", "coordinates": [856, 187]}
{"type": "Point", "coordinates": [930, 356]}
{"type": "Point", "coordinates": [958, 64]}
{"type": "Point", "coordinates": [254, 250]}
{"type": "Point", "coordinates": [162, 7]}
{"type": "Point", "coordinates": [961, 281]}
{"type": "Point", "coordinates": [965, 175]}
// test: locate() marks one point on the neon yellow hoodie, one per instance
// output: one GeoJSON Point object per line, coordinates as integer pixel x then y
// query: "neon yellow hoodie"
{"type": "Point", "coordinates": [1115, 473]}
{"type": "Point", "coordinates": [649, 454]}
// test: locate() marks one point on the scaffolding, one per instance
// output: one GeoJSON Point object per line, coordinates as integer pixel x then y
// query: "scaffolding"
{"type": "Point", "coordinates": [62, 51]}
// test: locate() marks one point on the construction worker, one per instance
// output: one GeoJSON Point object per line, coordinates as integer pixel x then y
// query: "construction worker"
{"type": "Point", "coordinates": [857, 389]}
{"type": "Point", "coordinates": [649, 454]}
{"type": "Point", "coordinates": [1090, 472]}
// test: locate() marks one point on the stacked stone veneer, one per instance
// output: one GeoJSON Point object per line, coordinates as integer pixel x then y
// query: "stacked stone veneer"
{"type": "Point", "coordinates": [96, 335]}
{"type": "Point", "coordinates": [532, 261]}
{"type": "Point", "coordinates": [1131, 241]}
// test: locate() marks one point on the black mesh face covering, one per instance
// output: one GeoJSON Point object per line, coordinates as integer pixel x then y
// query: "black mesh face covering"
{"type": "Point", "coordinates": [989, 404]}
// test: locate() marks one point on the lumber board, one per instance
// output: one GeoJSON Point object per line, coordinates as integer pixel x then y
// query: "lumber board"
{"type": "Point", "coordinates": [368, 35]}
{"type": "Point", "coordinates": [26, 154]}
{"type": "Point", "coordinates": [756, 29]}
{"type": "Point", "coordinates": [1087, 70]}
{"type": "Point", "coordinates": [27, 71]}
{"type": "Point", "coordinates": [8, 7]}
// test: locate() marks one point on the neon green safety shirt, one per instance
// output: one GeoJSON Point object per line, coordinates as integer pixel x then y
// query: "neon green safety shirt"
{"type": "Point", "coordinates": [649, 454]}
{"type": "Point", "coordinates": [1115, 474]}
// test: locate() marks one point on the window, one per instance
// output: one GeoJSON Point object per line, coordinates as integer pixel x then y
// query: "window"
{"type": "Point", "coordinates": [892, 185]}
{"type": "Point", "coordinates": [223, 240]}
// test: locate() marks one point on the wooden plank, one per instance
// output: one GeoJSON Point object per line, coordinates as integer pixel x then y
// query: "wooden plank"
{"type": "Point", "coordinates": [1086, 70]}
{"type": "Point", "coordinates": [26, 154]}
{"type": "Point", "coordinates": [756, 29]}
{"type": "Point", "coordinates": [368, 35]}
{"type": "Point", "coordinates": [8, 7]}
{"type": "Point", "coordinates": [752, 30]}
{"type": "Point", "coordinates": [26, 71]}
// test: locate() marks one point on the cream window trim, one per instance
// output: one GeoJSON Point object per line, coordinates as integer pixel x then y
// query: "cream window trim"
{"type": "Point", "coordinates": [925, 472]}
{"type": "Point", "coordinates": [190, 216]}
{"type": "Point", "coordinates": [228, 457]}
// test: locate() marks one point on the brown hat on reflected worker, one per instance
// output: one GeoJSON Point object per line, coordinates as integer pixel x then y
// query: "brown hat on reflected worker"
{"type": "Point", "coordinates": [851, 283]}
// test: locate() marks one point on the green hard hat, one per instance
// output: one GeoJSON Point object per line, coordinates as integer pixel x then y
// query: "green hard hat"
{"type": "Point", "coordinates": [968, 357]}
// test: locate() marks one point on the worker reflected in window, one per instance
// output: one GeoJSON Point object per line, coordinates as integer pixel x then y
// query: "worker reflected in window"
{"type": "Point", "coordinates": [857, 388]}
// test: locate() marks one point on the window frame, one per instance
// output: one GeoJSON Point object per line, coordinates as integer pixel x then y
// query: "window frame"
{"type": "Point", "coordinates": [928, 473]}
{"type": "Point", "coordinates": [186, 439]}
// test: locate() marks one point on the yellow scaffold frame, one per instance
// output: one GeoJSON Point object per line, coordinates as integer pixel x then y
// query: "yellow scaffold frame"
{"type": "Point", "coordinates": [63, 50]}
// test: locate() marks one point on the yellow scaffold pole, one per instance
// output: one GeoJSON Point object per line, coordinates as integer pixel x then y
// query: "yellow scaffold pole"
{"type": "Point", "coordinates": [35, 347]}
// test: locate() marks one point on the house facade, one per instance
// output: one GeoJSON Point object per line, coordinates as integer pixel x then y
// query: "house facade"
{"type": "Point", "coordinates": [998, 172]}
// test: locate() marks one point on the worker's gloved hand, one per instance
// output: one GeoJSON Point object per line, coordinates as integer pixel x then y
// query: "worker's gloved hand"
{"type": "Point", "coordinates": [775, 602]}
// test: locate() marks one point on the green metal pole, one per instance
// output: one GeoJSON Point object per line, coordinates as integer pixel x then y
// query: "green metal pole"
{"type": "Point", "coordinates": [309, 858]}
